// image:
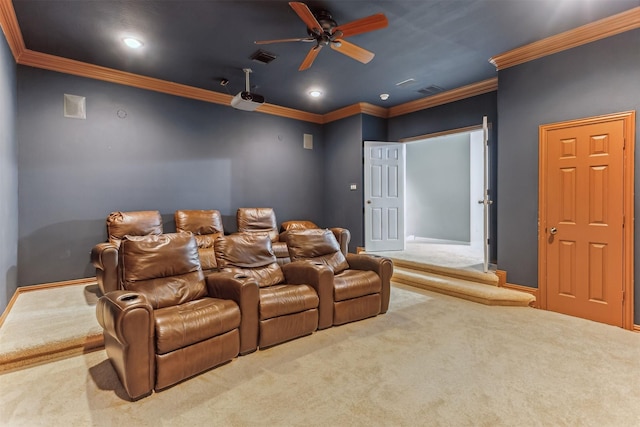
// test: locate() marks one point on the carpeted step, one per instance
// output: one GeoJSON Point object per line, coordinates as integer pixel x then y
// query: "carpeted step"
{"type": "Point", "coordinates": [489, 278]}
{"type": "Point", "coordinates": [469, 290]}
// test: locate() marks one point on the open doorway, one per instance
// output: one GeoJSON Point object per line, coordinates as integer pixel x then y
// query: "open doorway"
{"type": "Point", "coordinates": [444, 189]}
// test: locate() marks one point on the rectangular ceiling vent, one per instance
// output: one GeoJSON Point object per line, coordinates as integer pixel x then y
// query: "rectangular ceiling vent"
{"type": "Point", "coordinates": [430, 90]}
{"type": "Point", "coordinates": [262, 56]}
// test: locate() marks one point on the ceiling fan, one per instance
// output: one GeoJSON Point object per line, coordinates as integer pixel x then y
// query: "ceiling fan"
{"type": "Point", "coordinates": [324, 31]}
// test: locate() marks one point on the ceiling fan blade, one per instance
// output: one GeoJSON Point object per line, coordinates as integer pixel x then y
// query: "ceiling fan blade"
{"type": "Point", "coordinates": [353, 51]}
{"type": "Point", "coordinates": [363, 25]}
{"type": "Point", "coordinates": [311, 56]}
{"type": "Point", "coordinates": [304, 39]}
{"type": "Point", "coordinates": [305, 14]}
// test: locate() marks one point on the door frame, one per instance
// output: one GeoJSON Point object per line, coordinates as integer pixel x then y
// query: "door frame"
{"type": "Point", "coordinates": [629, 123]}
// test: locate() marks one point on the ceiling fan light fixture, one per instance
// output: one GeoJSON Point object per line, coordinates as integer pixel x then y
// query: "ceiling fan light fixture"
{"type": "Point", "coordinates": [132, 43]}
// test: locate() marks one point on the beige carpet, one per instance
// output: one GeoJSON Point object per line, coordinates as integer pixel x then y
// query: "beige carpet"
{"type": "Point", "coordinates": [432, 360]}
{"type": "Point", "coordinates": [51, 323]}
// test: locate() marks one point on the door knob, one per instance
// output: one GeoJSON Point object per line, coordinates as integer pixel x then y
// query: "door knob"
{"type": "Point", "coordinates": [553, 230]}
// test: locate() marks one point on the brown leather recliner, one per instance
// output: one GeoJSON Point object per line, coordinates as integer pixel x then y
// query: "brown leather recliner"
{"type": "Point", "coordinates": [343, 236]}
{"type": "Point", "coordinates": [263, 220]}
{"type": "Point", "coordinates": [278, 303]}
{"type": "Point", "coordinates": [104, 256]}
{"type": "Point", "coordinates": [362, 283]}
{"type": "Point", "coordinates": [163, 327]}
{"type": "Point", "coordinates": [206, 226]}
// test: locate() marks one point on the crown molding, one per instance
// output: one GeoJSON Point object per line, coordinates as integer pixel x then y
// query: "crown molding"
{"type": "Point", "coordinates": [607, 27]}
{"type": "Point", "coordinates": [11, 29]}
{"type": "Point", "coordinates": [352, 110]}
{"type": "Point", "coordinates": [83, 69]}
{"type": "Point", "coordinates": [291, 113]}
{"type": "Point", "coordinates": [458, 94]}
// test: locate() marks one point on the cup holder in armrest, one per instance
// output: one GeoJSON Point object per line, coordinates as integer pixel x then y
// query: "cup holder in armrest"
{"type": "Point", "coordinates": [128, 298]}
{"type": "Point", "coordinates": [241, 276]}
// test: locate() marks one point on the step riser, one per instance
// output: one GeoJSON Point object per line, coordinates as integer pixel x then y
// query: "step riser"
{"type": "Point", "coordinates": [461, 288]}
{"type": "Point", "coordinates": [478, 277]}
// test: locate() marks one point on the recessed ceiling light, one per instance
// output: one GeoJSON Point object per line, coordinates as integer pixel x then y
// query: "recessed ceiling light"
{"type": "Point", "coordinates": [315, 93]}
{"type": "Point", "coordinates": [132, 43]}
{"type": "Point", "coordinates": [384, 96]}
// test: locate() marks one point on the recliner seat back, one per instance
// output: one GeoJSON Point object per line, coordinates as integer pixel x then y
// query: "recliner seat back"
{"type": "Point", "coordinates": [316, 245]}
{"type": "Point", "coordinates": [136, 223]}
{"type": "Point", "coordinates": [165, 268]}
{"type": "Point", "coordinates": [250, 255]}
{"type": "Point", "coordinates": [206, 226]}
{"type": "Point", "coordinates": [258, 220]}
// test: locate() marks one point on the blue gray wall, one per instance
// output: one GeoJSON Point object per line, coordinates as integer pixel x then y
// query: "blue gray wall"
{"type": "Point", "coordinates": [598, 78]}
{"type": "Point", "coordinates": [343, 162]}
{"type": "Point", "coordinates": [8, 176]}
{"type": "Point", "coordinates": [168, 153]}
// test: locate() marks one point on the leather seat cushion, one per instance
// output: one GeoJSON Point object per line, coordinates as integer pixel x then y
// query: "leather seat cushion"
{"type": "Point", "coordinates": [355, 283]}
{"type": "Point", "coordinates": [280, 300]}
{"type": "Point", "coordinates": [185, 324]}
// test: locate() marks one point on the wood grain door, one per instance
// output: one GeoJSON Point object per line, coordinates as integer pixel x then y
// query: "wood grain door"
{"type": "Point", "coordinates": [584, 204]}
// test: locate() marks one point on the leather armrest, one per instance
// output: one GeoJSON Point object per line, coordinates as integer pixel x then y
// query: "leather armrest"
{"type": "Point", "coordinates": [383, 268]}
{"type": "Point", "coordinates": [113, 309]}
{"type": "Point", "coordinates": [245, 292]}
{"type": "Point", "coordinates": [127, 320]}
{"type": "Point", "coordinates": [320, 277]}
{"type": "Point", "coordinates": [343, 236]}
{"type": "Point", "coordinates": [104, 256]}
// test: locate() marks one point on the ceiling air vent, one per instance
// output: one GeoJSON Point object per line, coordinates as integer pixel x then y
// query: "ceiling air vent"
{"type": "Point", "coordinates": [430, 90]}
{"type": "Point", "coordinates": [262, 56]}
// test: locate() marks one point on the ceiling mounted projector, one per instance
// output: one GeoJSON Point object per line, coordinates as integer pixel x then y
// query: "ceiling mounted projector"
{"type": "Point", "coordinates": [246, 100]}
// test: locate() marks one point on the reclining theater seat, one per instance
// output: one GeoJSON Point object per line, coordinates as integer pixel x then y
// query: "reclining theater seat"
{"type": "Point", "coordinates": [361, 286]}
{"type": "Point", "coordinates": [104, 256]}
{"type": "Point", "coordinates": [263, 220]}
{"type": "Point", "coordinates": [206, 226]}
{"type": "Point", "coordinates": [343, 236]}
{"type": "Point", "coordinates": [163, 327]}
{"type": "Point", "coordinates": [278, 303]}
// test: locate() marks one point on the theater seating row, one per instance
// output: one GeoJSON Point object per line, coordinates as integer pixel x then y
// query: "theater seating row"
{"type": "Point", "coordinates": [168, 320]}
{"type": "Point", "coordinates": [206, 225]}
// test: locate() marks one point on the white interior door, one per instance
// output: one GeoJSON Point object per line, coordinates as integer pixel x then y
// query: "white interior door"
{"type": "Point", "coordinates": [384, 179]}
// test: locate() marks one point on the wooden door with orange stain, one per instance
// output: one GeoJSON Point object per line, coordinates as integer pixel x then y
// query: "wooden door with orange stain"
{"type": "Point", "coordinates": [584, 220]}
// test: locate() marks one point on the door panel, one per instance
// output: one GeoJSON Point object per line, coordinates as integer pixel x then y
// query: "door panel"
{"type": "Point", "coordinates": [384, 196]}
{"type": "Point", "coordinates": [584, 221]}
